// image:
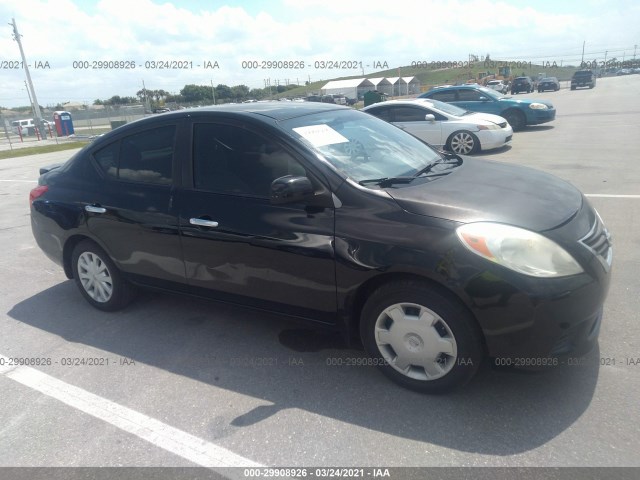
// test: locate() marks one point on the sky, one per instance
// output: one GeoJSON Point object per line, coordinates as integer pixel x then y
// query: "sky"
{"type": "Point", "coordinates": [62, 36]}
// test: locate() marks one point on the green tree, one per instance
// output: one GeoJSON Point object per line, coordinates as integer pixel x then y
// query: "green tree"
{"type": "Point", "coordinates": [195, 93]}
{"type": "Point", "coordinates": [223, 92]}
{"type": "Point", "coordinates": [240, 92]}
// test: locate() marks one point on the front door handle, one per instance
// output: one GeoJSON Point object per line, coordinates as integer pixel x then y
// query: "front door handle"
{"type": "Point", "coordinates": [201, 222]}
{"type": "Point", "coordinates": [95, 209]}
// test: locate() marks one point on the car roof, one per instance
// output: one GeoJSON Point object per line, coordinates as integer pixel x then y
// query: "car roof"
{"type": "Point", "coordinates": [272, 109]}
{"type": "Point", "coordinates": [425, 102]}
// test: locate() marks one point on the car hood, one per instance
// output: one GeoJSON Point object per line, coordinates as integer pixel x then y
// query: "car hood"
{"type": "Point", "coordinates": [482, 190]}
{"type": "Point", "coordinates": [525, 101]}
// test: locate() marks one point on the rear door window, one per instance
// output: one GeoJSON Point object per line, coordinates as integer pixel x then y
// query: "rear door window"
{"type": "Point", "coordinates": [145, 157]}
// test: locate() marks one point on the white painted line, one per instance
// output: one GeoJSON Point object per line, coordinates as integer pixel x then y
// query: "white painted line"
{"type": "Point", "coordinates": [20, 181]}
{"type": "Point", "coordinates": [603, 195]}
{"type": "Point", "coordinates": [160, 434]}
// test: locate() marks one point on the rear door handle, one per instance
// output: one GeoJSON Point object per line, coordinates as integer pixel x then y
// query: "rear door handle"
{"type": "Point", "coordinates": [95, 209]}
{"type": "Point", "coordinates": [201, 222]}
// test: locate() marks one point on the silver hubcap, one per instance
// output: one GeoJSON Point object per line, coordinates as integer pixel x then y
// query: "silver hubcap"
{"type": "Point", "coordinates": [462, 143]}
{"type": "Point", "coordinates": [415, 341]}
{"type": "Point", "coordinates": [95, 277]}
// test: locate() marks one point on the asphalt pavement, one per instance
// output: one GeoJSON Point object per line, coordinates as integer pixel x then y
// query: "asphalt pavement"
{"type": "Point", "coordinates": [178, 381]}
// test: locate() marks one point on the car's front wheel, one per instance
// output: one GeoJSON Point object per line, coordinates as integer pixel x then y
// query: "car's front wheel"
{"type": "Point", "coordinates": [515, 118]}
{"type": "Point", "coordinates": [420, 337]}
{"type": "Point", "coordinates": [98, 279]}
{"type": "Point", "coordinates": [463, 143]}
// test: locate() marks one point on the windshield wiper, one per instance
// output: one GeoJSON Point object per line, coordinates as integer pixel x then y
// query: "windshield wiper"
{"type": "Point", "coordinates": [447, 157]}
{"type": "Point", "coordinates": [386, 181]}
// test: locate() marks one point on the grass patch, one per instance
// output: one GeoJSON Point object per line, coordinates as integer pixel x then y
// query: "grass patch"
{"type": "Point", "coordinates": [24, 152]}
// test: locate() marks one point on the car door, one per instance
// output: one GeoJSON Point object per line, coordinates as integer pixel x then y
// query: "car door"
{"type": "Point", "coordinates": [240, 247]}
{"type": "Point", "coordinates": [131, 213]}
{"type": "Point", "coordinates": [412, 120]}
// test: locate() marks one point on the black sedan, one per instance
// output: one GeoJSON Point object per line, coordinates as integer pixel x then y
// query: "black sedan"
{"type": "Point", "coordinates": [333, 216]}
{"type": "Point", "coordinates": [549, 83]}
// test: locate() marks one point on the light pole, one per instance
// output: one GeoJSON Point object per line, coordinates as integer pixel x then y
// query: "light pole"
{"type": "Point", "coordinates": [34, 100]}
{"type": "Point", "coordinates": [582, 61]}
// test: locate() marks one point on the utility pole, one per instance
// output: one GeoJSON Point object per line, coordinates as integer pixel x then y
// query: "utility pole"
{"type": "Point", "coordinates": [144, 94]}
{"type": "Point", "coordinates": [34, 100]}
{"type": "Point", "coordinates": [582, 61]}
{"type": "Point", "coordinates": [213, 92]}
{"type": "Point", "coordinates": [634, 51]}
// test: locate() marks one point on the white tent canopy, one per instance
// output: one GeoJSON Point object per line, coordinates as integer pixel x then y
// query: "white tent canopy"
{"type": "Point", "coordinates": [356, 87]}
{"type": "Point", "coordinates": [350, 88]}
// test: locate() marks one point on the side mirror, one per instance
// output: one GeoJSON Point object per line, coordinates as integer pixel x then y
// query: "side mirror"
{"type": "Point", "coordinates": [430, 117]}
{"type": "Point", "coordinates": [290, 189]}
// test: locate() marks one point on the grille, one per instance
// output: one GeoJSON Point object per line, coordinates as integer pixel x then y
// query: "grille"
{"type": "Point", "coordinates": [598, 240]}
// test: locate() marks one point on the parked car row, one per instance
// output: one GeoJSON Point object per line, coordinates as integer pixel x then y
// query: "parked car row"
{"type": "Point", "coordinates": [330, 215]}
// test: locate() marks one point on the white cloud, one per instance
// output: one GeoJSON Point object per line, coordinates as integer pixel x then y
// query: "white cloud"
{"type": "Point", "coordinates": [63, 31]}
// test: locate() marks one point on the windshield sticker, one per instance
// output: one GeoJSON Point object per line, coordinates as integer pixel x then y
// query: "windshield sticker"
{"type": "Point", "coordinates": [320, 135]}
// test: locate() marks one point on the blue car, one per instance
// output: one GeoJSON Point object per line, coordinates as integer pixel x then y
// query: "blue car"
{"type": "Point", "coordinates": [518, 112]}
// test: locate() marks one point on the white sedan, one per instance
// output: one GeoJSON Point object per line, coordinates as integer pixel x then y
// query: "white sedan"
{"type": "Point", "coordinates": [444, 125]}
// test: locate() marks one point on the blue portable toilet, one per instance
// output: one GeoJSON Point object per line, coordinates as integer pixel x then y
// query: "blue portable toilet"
{"type": "Point", "coordinates": [63, 122]}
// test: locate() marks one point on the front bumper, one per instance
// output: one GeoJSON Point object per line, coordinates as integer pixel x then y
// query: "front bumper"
{"type": "Point", "coordinates": [524, 317]}
{"type": "Point", "coordinates": [490, 139]}
{"type": "Point", "coordinates": [536, 117]}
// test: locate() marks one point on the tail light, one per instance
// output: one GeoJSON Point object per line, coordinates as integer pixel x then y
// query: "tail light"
{"type": "Point", "coordinates": [37, 192]}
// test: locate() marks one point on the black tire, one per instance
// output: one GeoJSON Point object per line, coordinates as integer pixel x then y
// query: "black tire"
{"type": "Point", "coordinates": [516, 119]}
{"type": "Point", "coordinates": [91, 263]}
{"type": "Point", "coordinates": [452, 327]}
{"type": "Point", "coordinates": [463, 142]}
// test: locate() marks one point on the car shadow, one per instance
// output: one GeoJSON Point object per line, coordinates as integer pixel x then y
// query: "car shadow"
{"type": "Point", "coordinates": [535, 128]}
{"type": "Point", "coordinates": [495, 151]}
{"type": "Point", "coordinates": [500, 412]}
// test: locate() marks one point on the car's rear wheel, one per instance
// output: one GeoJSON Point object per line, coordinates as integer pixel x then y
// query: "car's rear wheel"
{"type": "Point", "coordinates": [98, 279]}
{"type": "Point", "coordinates": [515, 118]}
{"type": "Point", "coordinates": [463, 143]}
{"type": "Point", "coordinates": [420, 337]}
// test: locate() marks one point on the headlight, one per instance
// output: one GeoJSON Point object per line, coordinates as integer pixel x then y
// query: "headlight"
{"type": "Point", "coordinates": [538, 106]}
{"type": "Point", "coordinates": [518, 249]}
{"type": "Point", "coordinates": [493, 126]}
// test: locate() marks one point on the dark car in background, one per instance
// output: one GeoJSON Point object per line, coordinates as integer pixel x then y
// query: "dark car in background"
{"type": "Point", "coordinates": [583, 78]}
{"type": "Point", "coordinates": [549, 83]}
{"type": "Point", "coordinates": [521, 84]}
{"type": "Point", "coordinates": [518, 112]}
{"type": "Point", "coordinates": [329, 215]}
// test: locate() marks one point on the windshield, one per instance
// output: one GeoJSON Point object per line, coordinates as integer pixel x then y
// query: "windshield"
{"type": "Point", "coordinates": [361, 146]}
{"type": "Point", "coordinates": [490, 92]}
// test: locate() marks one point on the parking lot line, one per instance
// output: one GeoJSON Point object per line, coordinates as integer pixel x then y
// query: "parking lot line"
{"type": "Point", "coordinates": [604, 195]}
{"type": "Point", "coordinates": [160, 434]}
{"type": "Point", "coordinates": [20, 181]}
